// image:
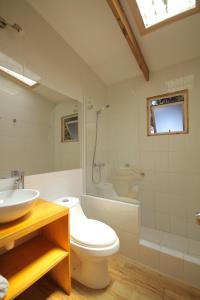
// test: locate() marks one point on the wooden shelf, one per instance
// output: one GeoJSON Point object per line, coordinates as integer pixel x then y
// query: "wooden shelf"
{"type": "Point", "coordinates": [26, 263]}
{"type": "Point", "coordinates": [47, 252]}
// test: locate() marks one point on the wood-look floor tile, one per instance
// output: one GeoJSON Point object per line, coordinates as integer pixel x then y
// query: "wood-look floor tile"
{"type": "Point", "coordinates": [129, 281]}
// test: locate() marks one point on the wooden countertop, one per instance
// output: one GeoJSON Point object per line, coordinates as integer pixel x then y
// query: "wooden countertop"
{"type": "Point", "coordinates": [42, 213]}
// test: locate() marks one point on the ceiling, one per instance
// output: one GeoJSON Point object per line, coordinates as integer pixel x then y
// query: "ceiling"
{"type": "Point", "coordinates": [90, 28]}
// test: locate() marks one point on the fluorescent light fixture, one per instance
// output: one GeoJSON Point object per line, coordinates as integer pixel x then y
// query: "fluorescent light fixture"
{"type": "Point", "coordinates": [156, 11]}
{"type": "Point", "coordinates": [19, 77]}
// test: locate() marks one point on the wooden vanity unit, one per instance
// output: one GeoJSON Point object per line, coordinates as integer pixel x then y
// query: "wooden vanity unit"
{"type": "Point", "coordinates": [48, 251]}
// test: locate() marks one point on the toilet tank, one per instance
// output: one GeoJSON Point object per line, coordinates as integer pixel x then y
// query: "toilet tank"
{"type": "Point", "coordinates": [76, 212]}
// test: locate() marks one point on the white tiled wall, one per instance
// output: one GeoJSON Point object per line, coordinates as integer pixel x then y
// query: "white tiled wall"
{"type": "Point", "coordinates": [169, 193]}
{"type": "Point", "coordinates": [51, 185]}
{"type": "Point", "coordinates": [57, 184]}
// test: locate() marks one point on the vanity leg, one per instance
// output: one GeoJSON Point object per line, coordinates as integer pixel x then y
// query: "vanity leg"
{"type": "Point", "coordinates": [58, 233]}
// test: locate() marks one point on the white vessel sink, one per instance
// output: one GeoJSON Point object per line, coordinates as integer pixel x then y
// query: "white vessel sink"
{"type": "Point", "coordinates": [16, 203]}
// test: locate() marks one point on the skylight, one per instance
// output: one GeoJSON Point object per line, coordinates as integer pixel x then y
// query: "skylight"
{"type": "Point", "coordinates": [19, 77]}
{"type": "Point", "coordinates": [156, 11]}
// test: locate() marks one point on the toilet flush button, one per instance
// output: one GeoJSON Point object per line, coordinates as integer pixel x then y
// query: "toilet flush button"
{"type": "Point", "coordinates": [65, 200]}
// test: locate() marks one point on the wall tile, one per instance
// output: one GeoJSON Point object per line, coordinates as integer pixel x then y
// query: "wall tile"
{"type": "Point", "coordinates": [177, 142]}
{"type": "Point", "coordinates": [161, 182]}
{"type": "Point", "coordinates": [161, 143]}
{"type": "Point", "coordinates": [176, 161]}
{"type": "Point", "coordinates": [149, 182]}
{"type": "Point", "coordinates": [147, 198]}
{"type": "Point", "coordinates": [162, 161]}
{"type": "Point", "coordinates": [162, 202]}
{"type": "Point", "coordinates": [173, 241]}
{"type": "Point", "coordinates": [152, 235]}
{"type": "Point", "coordinates": [177, 184]}
{"type": "Point", "coordinates": [192, 162]}
{"type": "Point", "coordinates": [192, 229]}
{"type": "Point", "coordinates": [148, 218]}
{"type": "Point", "coordinates": [178, 205]}
{"type": "Point", "coordinates": [148, 160]}
{"type": "Point", "coordinates": [193, 247]}
{"type": "Point", "coordinates": [163, 222]}
{"type": "Point", "coordinates": [178, 225]}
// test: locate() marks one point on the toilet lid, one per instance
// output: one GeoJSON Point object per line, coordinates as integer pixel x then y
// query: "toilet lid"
{"type": "Point", "coordinates": [93, 233]}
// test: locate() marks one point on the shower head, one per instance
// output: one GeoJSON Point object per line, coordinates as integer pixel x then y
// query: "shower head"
{"type": "Point", "coordinates": [102, 108]}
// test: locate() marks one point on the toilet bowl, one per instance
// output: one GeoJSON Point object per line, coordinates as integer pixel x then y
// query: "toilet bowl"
{"type": "Point", "coordinates": [92, 242]}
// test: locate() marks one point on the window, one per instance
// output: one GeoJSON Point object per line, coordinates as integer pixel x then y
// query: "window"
{"type": "Point", "coordinates": [167, 114]}
{"type": "Point", "coordinates": [69, 128]}
{"type": "Point", "coordinates": [152, 14]}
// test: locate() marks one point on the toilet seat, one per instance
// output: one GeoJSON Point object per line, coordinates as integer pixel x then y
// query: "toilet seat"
{"type": "Point", "coordinates": [93, 233]}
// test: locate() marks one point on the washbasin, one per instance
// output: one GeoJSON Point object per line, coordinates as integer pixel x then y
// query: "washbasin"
{"type": "Point", "coordinates": [16, 203]}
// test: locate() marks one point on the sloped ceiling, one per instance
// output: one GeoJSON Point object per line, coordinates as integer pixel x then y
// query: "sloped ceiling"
{"type": "Point", "coordinates": [90, 28]}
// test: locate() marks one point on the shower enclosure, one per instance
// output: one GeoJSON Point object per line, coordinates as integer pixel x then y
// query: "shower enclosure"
{"type": "Point", "coordinates": [105, 179]}
{"type": "Point", "coordinates": [162, 173]}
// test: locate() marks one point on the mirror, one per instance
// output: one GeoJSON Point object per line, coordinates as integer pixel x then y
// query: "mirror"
{"type": "Point", "coordinates": [168, 113]}
{"type": "Point", "coordinates": [39, 129]}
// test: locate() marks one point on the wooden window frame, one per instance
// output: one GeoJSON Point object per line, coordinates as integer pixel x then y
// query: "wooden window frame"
{"type": "Point", "coordinates": [63, 140]}
{"type": "Point", "coordinates": [185, 117]}
{"type": "Point", "coordinates": [140, 24]}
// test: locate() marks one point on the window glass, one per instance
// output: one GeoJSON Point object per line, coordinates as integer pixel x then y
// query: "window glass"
{"type": "Point", "coordinates": [167, 114]}
{"type": "Point", "coordinates": [156, 11]}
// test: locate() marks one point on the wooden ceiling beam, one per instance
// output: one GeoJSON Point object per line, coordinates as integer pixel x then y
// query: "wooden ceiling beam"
{"type": "Point", "coordinates": [125, 26]}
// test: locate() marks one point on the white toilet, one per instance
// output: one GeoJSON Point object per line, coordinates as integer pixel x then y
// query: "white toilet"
{"type": "Point", "coordinates": [91, 244]}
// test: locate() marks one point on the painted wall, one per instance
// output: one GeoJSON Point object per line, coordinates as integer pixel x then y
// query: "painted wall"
{"type": "Point", "coordinates": [169, 193]}
{"type": "Point", "coordinates": [45, 53]}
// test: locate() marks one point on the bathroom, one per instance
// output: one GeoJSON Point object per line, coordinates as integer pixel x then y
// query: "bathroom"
{"type": "Point", "coordinates": [144, 187]}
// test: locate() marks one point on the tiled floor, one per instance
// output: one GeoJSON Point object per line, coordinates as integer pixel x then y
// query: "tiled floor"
{"type": "Point", "coordinates": [130, 281]}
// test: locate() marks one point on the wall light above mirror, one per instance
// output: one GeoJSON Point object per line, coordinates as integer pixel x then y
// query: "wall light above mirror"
{"type": "Point", "coordinates": [168, 114]}
{"type": "Point", "coordinates": [20, 77]}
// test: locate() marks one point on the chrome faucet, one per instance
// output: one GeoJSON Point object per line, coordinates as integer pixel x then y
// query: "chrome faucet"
{"type": "Point", "coordinates": [20, 178]}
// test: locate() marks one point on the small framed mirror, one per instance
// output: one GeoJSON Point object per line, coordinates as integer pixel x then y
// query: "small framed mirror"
{"type": "Point", "coordinates": [168, 113]}
{"type": "Point", "coordinates": [69, 128]}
